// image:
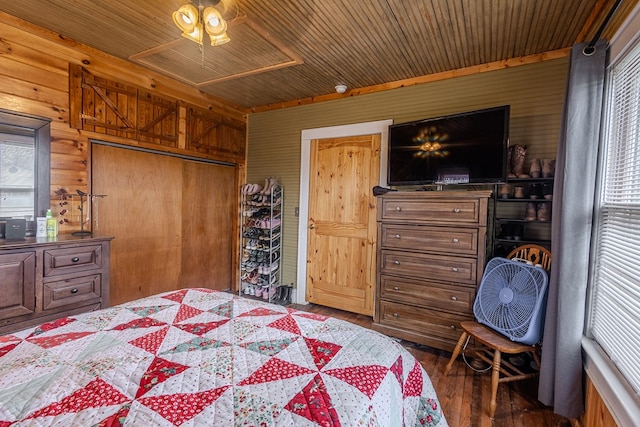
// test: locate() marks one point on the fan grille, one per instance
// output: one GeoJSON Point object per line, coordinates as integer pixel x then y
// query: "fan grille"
{"type": "Point", "coordinates": [510, 298]}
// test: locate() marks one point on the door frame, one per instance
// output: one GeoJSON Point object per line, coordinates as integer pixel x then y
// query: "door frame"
{"type": "Point", "coordinates": [367, 128]}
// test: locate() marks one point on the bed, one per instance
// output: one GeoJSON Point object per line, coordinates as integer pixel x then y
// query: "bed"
{"type": "Point", "coordinates": [198, 357]}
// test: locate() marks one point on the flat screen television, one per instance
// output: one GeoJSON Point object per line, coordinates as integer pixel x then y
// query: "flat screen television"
{"type": "Point", "coordinates": [460, 148]}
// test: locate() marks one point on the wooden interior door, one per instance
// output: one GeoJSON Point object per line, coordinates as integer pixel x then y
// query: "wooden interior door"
{"type": "Point", "coordinates": [171, 219]}
{"type": "Point", "coordinates": [341, 255]}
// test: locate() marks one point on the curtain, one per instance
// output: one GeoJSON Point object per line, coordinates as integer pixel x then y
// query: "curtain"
{"type": "Point", "coordinates": [561, 371]}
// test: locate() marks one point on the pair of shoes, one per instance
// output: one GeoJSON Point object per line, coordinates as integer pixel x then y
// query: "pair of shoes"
{"type": "Point", "coordinates": [511, 231]}
{"type": "Point", "coordinates": [269, 184]}
{"type": "Point", "coordinates": [537, 211]}
{"type": "Point", "coordinates": [283, 294]}
{"type": "Point", "coordinates": [250, 189]}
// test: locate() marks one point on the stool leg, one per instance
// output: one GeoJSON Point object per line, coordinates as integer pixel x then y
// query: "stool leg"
{"type": "Point", "coordinates": [495, 377]}
{"type": "Point", "coordinates": [456, 352]}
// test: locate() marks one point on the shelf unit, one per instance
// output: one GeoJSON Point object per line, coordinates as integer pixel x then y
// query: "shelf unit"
{"type": "Point", "coordinates": [261, 258]}
{"type": "Point", "coordinates": [510, 226]}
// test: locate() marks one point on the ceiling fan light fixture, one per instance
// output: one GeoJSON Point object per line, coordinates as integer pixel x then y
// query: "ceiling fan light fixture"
{"type": "Point", "coordinates": [186, 18]}
{"type": "Point", "coordinates": [213, 22]}
{"type": "Point", "coordinates": [193, 22]}
{"type": "Point", "coordinates": [196, 35]}
{"type": "Point", "coordinates": [219, 39]}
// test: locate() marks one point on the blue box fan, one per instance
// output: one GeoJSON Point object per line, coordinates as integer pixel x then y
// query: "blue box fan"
{"type": "Point", "coordinates": [512, 299]}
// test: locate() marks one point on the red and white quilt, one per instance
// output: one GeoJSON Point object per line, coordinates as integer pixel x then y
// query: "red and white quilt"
{"type": "Point", "coordinates": [198, 357]}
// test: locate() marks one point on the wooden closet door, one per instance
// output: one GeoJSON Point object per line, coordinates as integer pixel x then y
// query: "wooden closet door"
{"type": "Point", "coordinates": [166, 216]}
{"type": "Point", "coordinates": [207, 225]}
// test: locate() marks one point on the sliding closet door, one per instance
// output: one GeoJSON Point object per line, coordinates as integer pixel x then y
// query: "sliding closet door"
{"type": "Point", "coordinates": [172, 224]}
{"type": "Point", "coordinates": [207, 225]}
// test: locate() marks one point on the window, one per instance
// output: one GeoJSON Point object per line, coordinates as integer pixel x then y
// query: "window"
{"type": "Point", "coordinates": [24, 165]}
{"type": "Point", "coordinates": [614, 318]}
{"type": "Point", "coordinates": [17, 176]}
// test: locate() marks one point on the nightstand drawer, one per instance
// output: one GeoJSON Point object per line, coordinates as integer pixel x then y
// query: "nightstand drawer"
{"type": "Point", "coordinates": [74, 291]}
{"type": "Point", "coordinates": [69, 260]}
{"type": "Point", "coordinates": [426, 321]}
{"type": "Point", "coordinates": [455, 269]}
{"type": "Point", "coordinates": [425, 238]}
{"type": "Point", "coordinates": [449, 211]}
{"type": "Point", "coordinates": [426, 293]}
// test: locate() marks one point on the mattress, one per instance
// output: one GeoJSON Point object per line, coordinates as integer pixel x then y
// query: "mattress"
{"type": "Point", "coordinates": [198, 357]}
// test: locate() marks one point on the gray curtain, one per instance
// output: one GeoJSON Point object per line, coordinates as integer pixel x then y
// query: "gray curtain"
{"type": "Point", "coordinates": [561, 372]}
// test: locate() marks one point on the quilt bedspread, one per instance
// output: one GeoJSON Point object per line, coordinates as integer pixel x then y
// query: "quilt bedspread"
{"type": "Point", "coordinates": [198, 357]}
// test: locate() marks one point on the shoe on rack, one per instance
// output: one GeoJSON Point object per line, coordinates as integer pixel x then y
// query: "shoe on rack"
{"type": "Point", "coordinates": [530, 212]}
{"type": "Point", "coordinates": [286, 298]}
{"type": "Point", "coordinates": [266, 189]}
{"type": "Point", "coordinates": [273, 181]}
{"type": "Point", "coordinates": [543, 212]}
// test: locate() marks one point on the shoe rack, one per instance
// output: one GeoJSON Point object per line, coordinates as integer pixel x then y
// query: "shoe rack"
{"type": "Point", "coordinates": [522, 213]}
{"type": "Point", "coordinates": [261, 255]}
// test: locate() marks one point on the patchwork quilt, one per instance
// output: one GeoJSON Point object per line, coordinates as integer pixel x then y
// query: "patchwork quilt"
{"type": "Point", "coordinates": [198, 357]}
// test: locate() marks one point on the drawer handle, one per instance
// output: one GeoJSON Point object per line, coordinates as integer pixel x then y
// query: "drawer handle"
{"type": "Point", "coordinates": [75, 259]}
{"type": "Point", "coordinates": [398, 208]}
{"type": "Point", "coordinates": [395, 288]}
{"type": "Point", "coordinates": [74, 290]}
{"type": "Point", "coordinates": [454, 299]}
{"type": "Point", "coordinates": [456, 210]}
{"type": "Point", "coordinates": [454, 269]}
{"type": "Point", "coordinates": [397, 236]}
{"type": "Point", "coordinates": [395, 314]}
{"type": "Point", "coordinates": [396, 262]}
{"type": "Point", "coordinates": [454, 240]}
{"type": "Point", "coordinates": [452, 326]}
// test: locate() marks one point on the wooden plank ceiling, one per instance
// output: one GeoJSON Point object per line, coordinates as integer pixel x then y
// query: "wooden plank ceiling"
{"type": "Point", "coordinates": [284, 52]}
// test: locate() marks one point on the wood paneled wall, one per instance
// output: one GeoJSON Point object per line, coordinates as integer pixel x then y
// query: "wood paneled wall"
{"type": "Point", "coordinates": [35, 79]}
{"type": "Point", "coordinates": [596, 413]}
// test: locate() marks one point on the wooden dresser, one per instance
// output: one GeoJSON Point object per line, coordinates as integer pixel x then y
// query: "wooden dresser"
{"type": "Point", "coordinates": [42, 280]}
{"type": "Point", "coordinates": [431, 256]}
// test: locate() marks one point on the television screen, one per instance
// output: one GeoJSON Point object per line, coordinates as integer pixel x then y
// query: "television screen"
{"type": "Point", "coordinates": [461, 148]}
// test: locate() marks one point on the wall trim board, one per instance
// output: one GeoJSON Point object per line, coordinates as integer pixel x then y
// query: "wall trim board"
{"type": "Point", "coordinates": [367, 128]}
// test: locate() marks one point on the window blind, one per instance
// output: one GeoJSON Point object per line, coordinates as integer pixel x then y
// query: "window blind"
{"type": "Point", "coordinates": [614, 318]}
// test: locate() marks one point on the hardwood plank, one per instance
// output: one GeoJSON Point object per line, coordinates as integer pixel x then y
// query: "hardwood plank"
{"type": "Point", "coordinates": [464, 394]}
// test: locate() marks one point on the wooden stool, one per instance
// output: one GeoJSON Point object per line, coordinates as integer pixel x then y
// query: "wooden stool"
{"type": "Point", "coordinates": [493, 345]}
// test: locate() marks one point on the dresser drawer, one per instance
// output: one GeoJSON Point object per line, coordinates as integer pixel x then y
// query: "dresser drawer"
{"type": "Point", "coordinates": [425, 238]}
{"type": "Point", "coordinates": [441, 211]}
{"type": "Point", "coordinates": [426, 293]}
{"type": "Point", "coordinates": [76, 291]}
{"type": "Point", "coordinates": [455, 269]}
{"type": "Point", "coordinates": [68, 260]}
{"type": "Point", "coordinates": [427, 321]}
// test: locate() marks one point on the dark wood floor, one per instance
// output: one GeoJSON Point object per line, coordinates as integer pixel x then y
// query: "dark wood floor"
{"type": "Point", "coordinates": [464, 395]}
